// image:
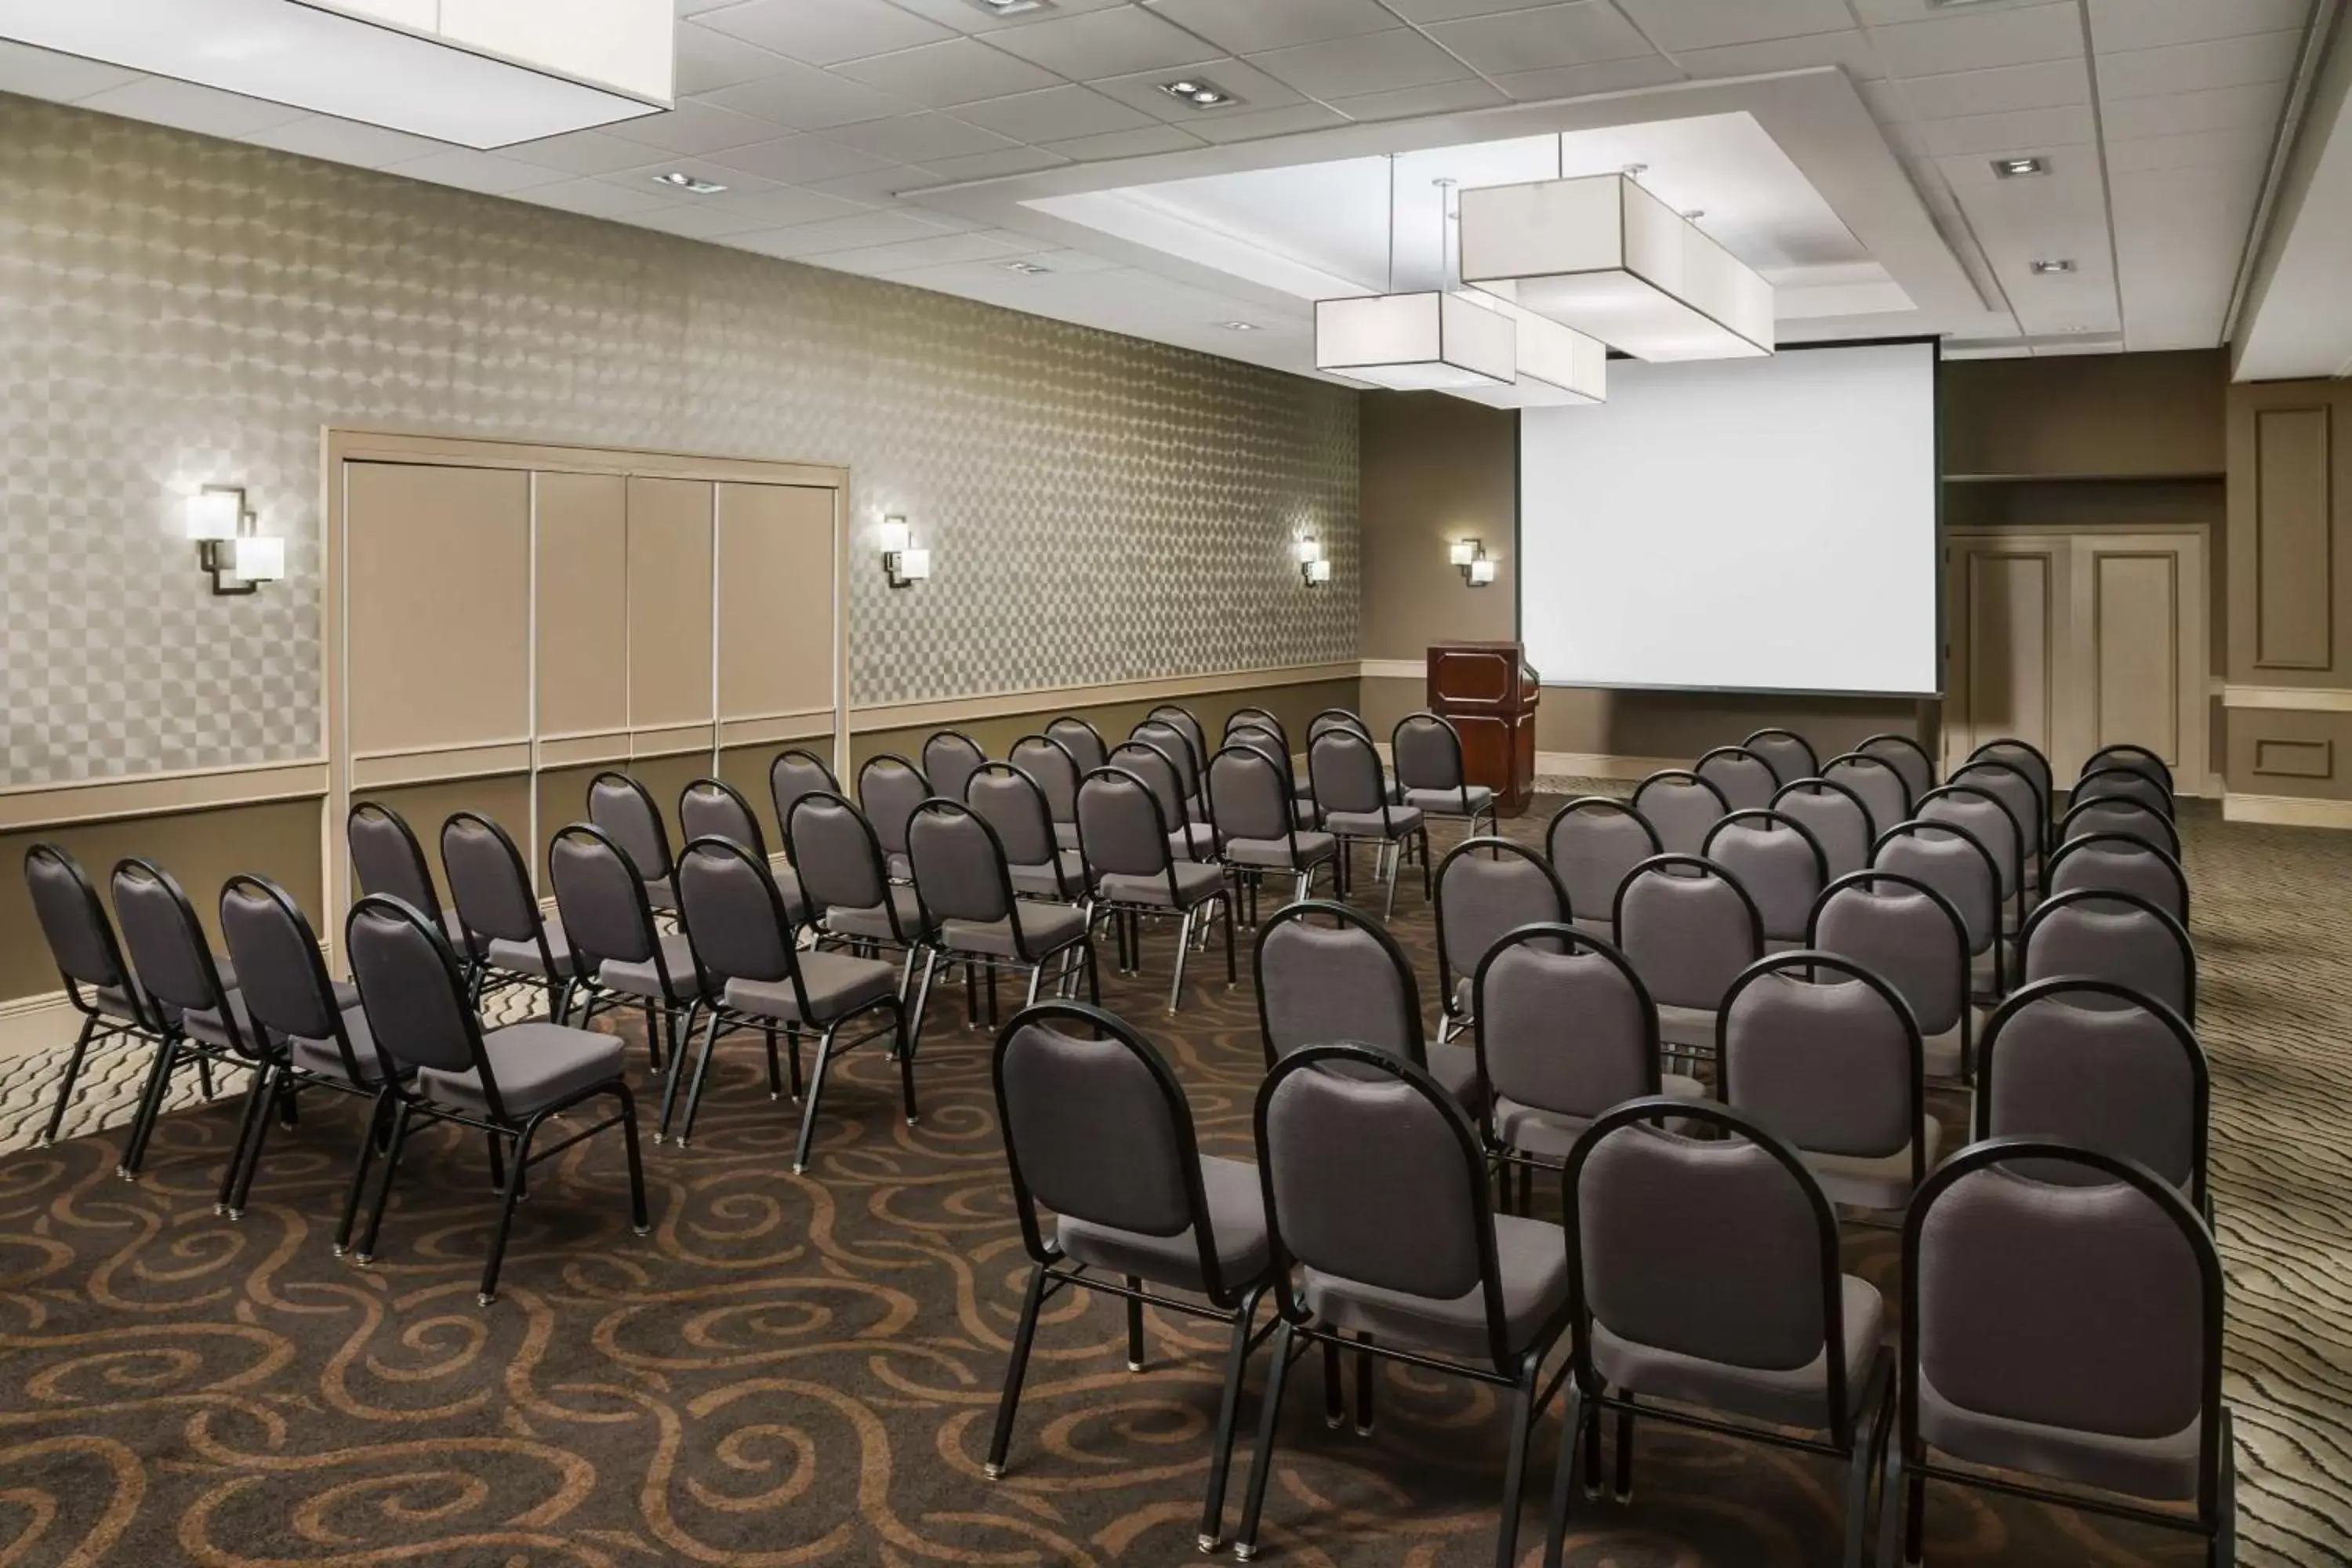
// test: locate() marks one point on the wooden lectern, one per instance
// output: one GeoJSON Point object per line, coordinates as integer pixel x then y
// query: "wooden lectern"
{"type": "Point", "coordinates": [1488, 692]}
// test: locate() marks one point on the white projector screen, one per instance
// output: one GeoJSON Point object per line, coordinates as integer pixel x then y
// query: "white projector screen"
{"type": "Point", "coordinates": [1745, 525]}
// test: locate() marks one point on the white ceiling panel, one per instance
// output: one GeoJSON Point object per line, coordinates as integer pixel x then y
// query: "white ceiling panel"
{"type": "Point", "coordinates": [824, 32]}
{"type": "Point", "coordinates": [963, 16]}
{"type": "Point", "coordinates": [2185, 68]}
{"type": "Point", "coordinates": [1105, 43]}
{"type": "Point", "coordinates": [707, 62]}
{"type": "Point", "coordinates": [696, 128]}
{"type": "Point", "coordinates": [1368, 62]}
{"type": "Point", "coordinates": [1678, 25]}
{"type": "Point", "coordinates": [2247, 148]}
{"type": "Point", "coordinates": [940, 75]}
{"type": "Point", "coordinates": [189, 107]}
{"type": "Point", "coordinates": [1239, 27]}
{"type": "Point", "coordinates": [1252, 89]}
{"type": "Point", "coordinates": [2151, 24]}
{"type": "Point", "coordinates": [696, 222]}
{"type": "Point", "coordinates": [2004, 89]}
{"type": "Point", "coordinates": [777, 207]}
{"type": "Point", "coordinates": [1255, 124]}
{"type": "Point", "coordinates": [994, 165]}
{"type": "Point", "coordinates": [598, 197]}
{"type": "Point", "coordinates": [1575, 34]}
{"type": "Point", "coordinates": [1453, 10]}
{"type": "Point", "coordinates": [805, 99]}
{"type": "Point", "coordinates": [490, 173]}
{"type": "Point", "coordinates": [856, 232]}
{"type": "Point", "coordinates": [1576, 82]}
{"type": "Point", "coordinates": [2255, 107]}
{"type": "Point", "coordinates": [1415, 102]}
{"type": "Point", "coordinates": [1849, 51]}
{"type": "Point", "coordinates": [1113, 144]}
{"type": "Point", "coordinates": [348, 141]}
{"type": "Point", "coordinates": [918, 138]}
{"type": "Point", "coordinates": [1056, 114]}
{"type": "Point", "coordinates": [2030, 131]}
{"type": "Point", "coordinates": [63, 79]}
{"type": "Point", "coordinates": [1980, 40]}
{"type": "Point", "coordinates": [796, 160]}
{"type": "Point", "coordinates": [583, 153]}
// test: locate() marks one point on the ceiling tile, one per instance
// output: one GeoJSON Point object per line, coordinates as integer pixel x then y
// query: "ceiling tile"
{"type": "Point", "coordinates": [597, 198]}
{"type": "Point", "coordinates": [1243, 26]}
{"type": "Point", "coordinates": [995, 165]}
{"type": "Point", "coordinates": [2254, 107]}
{"type": "Point", "coordinates": [1849, 50]}
{"type": "Point", "coordinates": [695, 222]}
{"type": "Point", "coordinates": [472, 171]}
{"type": "Point", "coordinates": [1369, 62]}
{"type": "Point", "coordinates": [348, 141]}
{"type": "Point", "coordinates": [1576, 34]}
{"type": "Point", "coordinates": [581, 153]}
{"type": "Point", "coordinates": [62, 78]}
{"type": "Point", "coordinates": [2245, 147]}
{"type": "Point", "coordinates": [840, 234]}
{"type": "Point", "coordinates": [1127, 144]}
{"type": "Point", "coordinates": [694, 127]}
{"type": "Point", "coordinates": [1252, 90]}
{"type": "Point", "coordinates": [1427, 11]}
{"type": "Point", "coordinates": [1105, 43]}
{"type": "Point", "coordinates": [2184, 67]}
{"type": "Point", "coordinates": [806, 99]}
{"type": "Point", "coordinates": [1256, 125]}
{"type": "Point", "coordinates": [964, 17]}
{"type": "Point", "coordinates": [1577, 81]}
{"type": "Point", "coordinates": [2004, 89]}
{"type": "Point", "coordinates": [823, 31]}
{"type": "Point", "coordinates": [877, 261]}
{"type": "Point", "coordinates": [781, 206]}
{"type": "Point", "coordinates": [882, 187]}
{"type": "Point", "coordinates": [1962, 41]}
{"type": "Point", "coordinates": [1678, 25]}
{"type": "Point", "coordinates": [1407, 103]}
{"type": "Point", "coordinates": [1055, 114]}
{"type": "Point", "coordinates": [917, 138]}
{"type": "Point", "coordinates": [940, 75]}
{"type": "Point", "coordinates": [798, 160]}
{"type": "Point", "coordinates": [1878, 13]}
{"type": "Point", "coordinates": [707, 62]}
{"type": "Point", "coordinates": [2151, 24]}
{"type": "Point", "coordinates": [2029, 130]}
{"type": "Point", "coordinates": [189, 107]}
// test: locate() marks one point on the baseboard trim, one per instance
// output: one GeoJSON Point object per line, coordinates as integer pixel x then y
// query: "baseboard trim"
{"type": "Point", "coordinates": [1600, 765]}
{"type": "Point", "coordinates": [2286, 810]}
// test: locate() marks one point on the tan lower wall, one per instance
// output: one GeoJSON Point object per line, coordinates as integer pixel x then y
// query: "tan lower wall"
{"type": "Point", "coordinates": [1294, 705]}
{"type": "Point", "coordinates": [2278, 752]}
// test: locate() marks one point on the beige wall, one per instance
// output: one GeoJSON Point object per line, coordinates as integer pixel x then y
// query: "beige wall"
{"type": "Point", "coordinates": [2111, 415]}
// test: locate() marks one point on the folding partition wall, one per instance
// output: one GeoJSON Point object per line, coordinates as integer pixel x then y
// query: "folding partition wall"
{"type": "Point", "coordinates": [505, 621]}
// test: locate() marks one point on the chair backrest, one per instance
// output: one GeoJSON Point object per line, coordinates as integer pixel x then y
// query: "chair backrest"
{"type": "Point", "coordinates": [1249, 795]}
{"type": "Point", "coordinates": [1187, 724]}
{"type": "Point", "coordinates": [281, 977]}
{"type": "Point", "coordinates": [1826, 1054]}
{"type": "Point", "coordinates": [838, 856]}
{"type": "Point", "coordinates": [2098, 1064]}
{"type": "Point", "coordinates": [1053, 769]}
{"type": "Point", "coordinates": [1161, 773]}
{"type": "Point", "coordinates": [2027, 759]}
{"type": "Point", "coordinates": [489, 881]}
{"type": "Point", "coordinates": [600, 897]}
{"type": "Point", "coordinates": [2014, 788]}
{"type": "Point", "coordinates": [1745, 780]}
{"type": "Point", "coordinates": [1593, 841]}
{"type": "Point", "coordinates": [1096, 1129]}
{"type": "Point", "coordinates": [1170, 743]}
{"type": "Point", "coordinates": [1372, 1174]}
{"type": "Point", "coordinates": [961, 871]}
{"type": "Point", "coordinates": [1908, 757]}
{"type": "Point", "coordinates": [1950, 859]}
{"type": "Point", "coordinates": [2138, 759]}
{"type": "Point", "coordinates": [166, 945]}
{"type": "Point", "coordinates": [2124, 783]}
{"type": "Point", "coordinates": [1486, 886]}
{"type": "Point", "coordinates": [1081, 739]}
{"type": "Point", "coordinates": [1778, 860]}
{"type": "Point", "coordinates": [2115, 814]}
{"type": "Point", "coordinates": [1122, 831]}
{"type": "Point", "coordinates": [1876, 783]}
{"type": "Point", "coordinates": [386, 856]}
{"type": "Point", "coordinates": [1835, 816]}
{"type": "Point", "coordinates": [1257, 717]}
{"type": "Point", "coordinates": [1688, 927]}
{"type": "Point", "coordinates": [949, 759]}
{"type": "Point", "coordinates": [1328, 973]}
{"type": "Point", "coordinates": [413, 993]}
{"type": "Point", "coordinates": [1679, 807]}
{"type": "Point", "coordinates": [1427, 751]}
{"type": "Point", "coordinates": [1267, 743]}
{"type": "Point", "coordinates": [1345, 772]}
{"type": "Point", "coordinates": [732, 905]}
{"type": "Point", "coordinates": [1788, 754]}
{"type": "Point", "coordinates": [888, 789]}
{"type": "Point", "coordinates": [713, 808]}
{"type": "Point", "coordinates": [792, 774]}
{"type": "Point", "coordinates": [2093, 1308]}
{"type": "Point", "coordinates": [1721, 1249]}
{"type": "Point", "coordinates": [1336, 718]}
{"type": "Point", "coordinates": [2101, 934]}
{"type": "Point", "coordinates": [625, 808]}
{"type": "Point", "coordinates": [1903, 931]}
{"type": "Point", "coordinates": [2125, 862]}
{"type": "Point", "coordinates": [1011, 804]}
{"type": "Point", "coordinates": [74, 924]}
{"type": "Point", "coordinates": [1985, 815]}
{"type": "Point", "coordinates": [1564, 1025]}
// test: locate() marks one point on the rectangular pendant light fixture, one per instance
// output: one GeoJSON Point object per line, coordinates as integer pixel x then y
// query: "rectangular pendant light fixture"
{"type": "Point", "coordinates": [1558, 367]}
{"type": "Point", "coordinates": [477, 73]}
{"type": "Point", "coordinates": [1603, 256]}
{"type": "Point", "coordinates": [1425, 341]}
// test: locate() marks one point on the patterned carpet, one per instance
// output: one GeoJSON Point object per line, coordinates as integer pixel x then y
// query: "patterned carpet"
{"type": "Point", "coordinates": [804, 1371]}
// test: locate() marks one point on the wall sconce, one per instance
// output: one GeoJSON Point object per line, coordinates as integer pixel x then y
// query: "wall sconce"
{"type": "Point", "coordinates": [1313, 569]}
{"type": "Point", "coordinates": [900, 560]}
{"type": "Point", "coordinates": [229, 548]}
{"type": "Point", "coordinates": [1470, 555]}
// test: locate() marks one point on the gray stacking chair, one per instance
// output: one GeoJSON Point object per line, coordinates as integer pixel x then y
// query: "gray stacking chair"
{"type": "Point", "coordinates": [1487, 888]}
{"type": "Point", "coordinates": [1745, 780]}
{"type": "Point", "coordinates": [625, 808]}
{"type": "Point", "coordinates": [2123, 862]}
{"type": "Point", "coordinates": [949, 759]}
{"type": "Point", "coordinates": [1689, 929]}
{"type": "Point", "coordinates": [1874, 782]}
{"type": "Point", "coordinates": [2115, 814]}
{"type": "Point", "coordinates": [2027, 759]}
{"type": "Point", "coordinates": [1336, 718]}
{"type": "Point", "coordinates": [311, 1030]}
{"type": "Point", "coordinates": [1912, 937]}
{"type": "Point", "coordinates": [1133, 873]}
{"type": "Point", "coordinates": [1565, 1030]}
{"type": "Point", "coordinates": [1988, 820]}
{"type": "Point", "coordinates": [976, 920]}
{"type": "Point", "coordinates": [621, 957]}
{"type": "Point", "coordinates": [2136, 759]}
{"type": "Point", "coordinates": [2067, 1334]}
{"type": "Point", "coordinates": [1055, 771]}
{"type": "Point", "coordinates": [2015, 786]}
{"type": "Point", "coordinates": [1162, 770]}
{"type": "Point", "coordinates": [387, 859]}
{"type": "Point", "coordinates": [1593, 842]}
{"type": "Point", "coordinates": [2102, 933]}
{"type": "Point", "coordinates": [761, 981]}
{"type": "Point", "coordinates": [845, 880]}
{"type": "Point", "coordinates": [1271, 746]}
{"type": "Point", "coordinates": [1954, 862]}
{"type": "Point", "coordinates": [1430, 774]}
{"type": "Point", "coordinates": [1097, 1130]}
{"type": "Point", "coordinates": [1908, 757]}
{"type": "Point", "coordinates": [792, 774]}
{"type": "Point", "coordinates": [713, 808]}
{"type": "Point", "coordinates": [1835, 816]}
{"type": "Point", "coordinates": [889, 788]}
{"type": "Point", "coordinates": [1351, 799]}
{"type": "Point", "coordinates": [489, 883]}
{"type": "Point", "coordinates": [1375, 1188]}
{"type": "Point", "coordinates": [1679, 807]}
{"type": "Point", "coordinates": [1328, 973]}
{"type": "Point", "coordinates": [2124, 783]}
{"type": "Point", "coordinates": [1827, 1055]}
{"type": "Point", "coordinates": [1705, 1273]}
{"type": "Point", "coordinates": [1010, 803]}
{"type": "Point", "coordinates": [507, 1083]}
{"type": "Point", "coordinates": [2099, 1065]}
{"type": "Point", "coordinates": [1081, 739]}
{"type": "Point", "coordinates": [1187, 724]}
{"type": "Point", "coordinates": [203, 1020]}
{"type": "Point", "coordinates": [1788, 754]}
{"type": "Point", "coordinates": [1779, 861]}
{"type": "Point", "coordinates": [1256, 824]}
{"type": "Point", "coordinates": [1257, 717]}
{"type": "Point", "coordinates": [1175, 743]}
{"type": "Point", "coordinates": [97, 982]}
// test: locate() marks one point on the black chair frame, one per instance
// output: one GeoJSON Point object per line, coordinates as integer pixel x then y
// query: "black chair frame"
{"type": "Point", "coordinates": [2136, 755]}
{"type": "Point", "coordinates": [1864, 879]}
{"type": "Point", "coordinates": [1873, 760]}
{"type": "Point", "coordinates": [2179, 933]}
{"type": "Point", "coordinates": [909, 944]}
{"type": "Point", "coordinates": [2075, 796]}
{"type": "Point", "coordinates": [1911, 743]}
{"type": "Point", "coordinates": [1063, 890]}
{"type": "Point", "coordinates": [758, 845]}
{"type": "Point", "coordinates": [1128, 917]}
{"type": "Point", "coordinates": [175, 1045]}
{"type": "Point", "coordinates": [2045, 787]}
{"type": "Point", "coordinates": [2171, 838]}
{"type": "Point", "coordinates": [1774, 732]}
{"type": "Point", "coordinates": [2018, 834]}
{"type": "Point", "coordinates": [2171, 862]}
{"type": "Point", "coordinates": [1386, 839]}
{"type": "Point", "coordinates": [468, 954]}
{"type": "Point", "coordinates": [594, 995]}
{"type": "Point", "coordinates": [2001, 941]}
{"type": "Point", "coordinates": [488, 980]}
{"type": "Point", "coordinates": [636, 786]}
{"type": "Point", "coordinates": [1734, 751]}
{"type": "Point", "coordinates": [1470, 817]}
{"type": "Point", "coordinates": [1077, 954]}
{"type": "Point", "coordinates": [147, 1022]}
{"type": "Point", "coordinates": [1417, 1041]}
{"type": "Point", "coordinates": [1675, 863]}
{"type": "Point", "coordinates": [1778, 818]}
{"type": "Point", "coordinates": [1496, 848]}
{"type": "Point", "coordinates": [1249, 881]}
{"type": "Point", "coordinates": [776, 801]}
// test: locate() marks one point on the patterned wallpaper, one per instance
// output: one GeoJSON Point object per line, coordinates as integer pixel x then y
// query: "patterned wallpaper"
{"type": "Point", "coordinates": [176, 309]}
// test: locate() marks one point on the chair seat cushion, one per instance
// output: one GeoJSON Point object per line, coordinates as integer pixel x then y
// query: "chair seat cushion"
{"type": "Point", "coordinates": [1065, 834]}
{"type": "Point", "coordinates": [321, 1060]}
{"type": "Point", "coordinates": [1448, 801]}
{"type": "Point", "coordinates": [1456, 1069]}
{"type": "Point", "coordinates": [640, 978]}
{"type": "Point", "coordinates": [1874, 1181]}
{"type": "Point", "coordinates": [837, 983]}
{"type": "Point", "coordinates": [1394, 823]}
{"type": "Point", "coordinates": [1196, 880]}
{"type": "Point", "coordinates": [1039, 881]}
{"type": "Point", "coordinates": [1194, 841]}
{"type": "Point", "coordinates": [1236, 1222]}
{"type": "Point", "coordinates": [535, 1066]}
{"type": "Point", "coordinates": [1532, 1129]}
{"type": "Point", "coordinates": [205, 1026]}
{"type": "Point", "coordinates": [788, 884]}
{"type": "Point", "coordinates": [1693, 1028]}
{"type": "Point", "coordinates": [1274, 854]}
{"type": "Point", "coordinates": [1532, 1255]}
{"type": "Point", "coordinates": [1044, 928]}
{"type": "Point", "coordinates": [1796, 1396]}
{"type": "Point", "coordinates": [661, 892]}
{"type": "Point", "coordinates": [2160, 1468]}
{"type": "Point", "coordinates": [522, 957]}
{"type": "Point", "coordinates": [873, 922]}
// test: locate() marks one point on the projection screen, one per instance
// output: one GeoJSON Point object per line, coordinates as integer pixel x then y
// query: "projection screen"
{"type": "Point", "coordinates": [1749, 524]}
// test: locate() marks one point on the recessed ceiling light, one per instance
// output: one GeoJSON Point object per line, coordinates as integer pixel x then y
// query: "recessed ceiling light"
{"type": "Point", "coordinates": [2012, 168]}
{"type": "Point", "coordinates": [2053, 264]}
{"type": "Point", "coordinates": [1692, 214]}
{"type": "Point", "coordinates": [1199, 93]}
{"type": "Point", "coordinates": [1010, 7]}
{"type": "Point", "coordinates": [679, 179]}
{"type": "Point", "coordinates": [1026, 269]}
{"type": "Point", "coordinates": [1239, 326]}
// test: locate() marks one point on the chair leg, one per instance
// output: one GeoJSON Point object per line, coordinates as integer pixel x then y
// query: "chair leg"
{"type": "Point", "coordinates": [559, 1002]}
{"type": "Point", "coordinates": [2223, 1552]}
{"type": "Point", "coordinates": [1626, 1450]}
{"type": "Point", "coordinates": [1366, 1369]}
{"type": "Point", "coordinates": [281, 1095]}
{"type": "Point", "coordinates": [1894, 1493]}
{"type": "Point", "coordinates": [489, 1292]}
{"type": "Point", "coordinates": [257, 1095]}
{"type": "Point", "coordinates": [1015, 1370]}
{"type": "Point", "coordinates": [1515, 1468]}
{"type": "Point", "coordinates": [204, 1076]}
{"type": "Point", "coordinates": [815, 1099]}
{"type": "Point", "coordinates": [792, 1063]}
{"type": "Point", "coordinates": [1094, 972]}
{"type": "Point", "coordinates": [497, 1161]}
{"type": "Point", "coordinates": [366, 1253]}
{"type": "Point", "coordinates": [1036, 978]}
{"type": "Point", "coordinates": [654, 1038]}
{"type": "Point", "coordinates": [775, 1065]}
{"type": "Point", "coordinates": [906, 1064]}
{"type": "Point", "coordinates": [640, 1220]}
{"type": "Point", "coordinates": [1335, 1388]}
{"type": "Point", "coordinates": [151, 1106]}
{"type": "Point", "coordinates": [922, 996]}
{"type": "Point", "coordinates": [65, 1079]}
{"type": "Point", "coordinates": [1212, 1509]}
{"type": "Point", "coordinates": [971, 995]}
{"type": "Point", "coordinates": [1233, 975]}
{"type": "Point", "coordinates": [1857, 1500]}
{"type": "Point", "coordinates": [1262, 1463]}
{"type": "Point", "coordinates": [701, 1072]}
{"type": "Point", "coordinates": [1563, 1476]}
{"type": "Point", "coordinates": [1393, 856]}
{"type": "Point", "coordinates": [1134, 1327]}
{"type": "Point", "coordinates": [376, 1127]}
{"type": "Point", "coordinates": [1183, 947]}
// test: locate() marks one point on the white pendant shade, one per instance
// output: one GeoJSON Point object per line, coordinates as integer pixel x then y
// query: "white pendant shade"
{"type": "Point", "coordinates": [1429, 340]}
{"type": "Point", "coordinates": [1602, 254]}
{"type": "Point", "coordinates": [1558, 367]}
{"type": "Point", "coordinates": [479, 73]}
